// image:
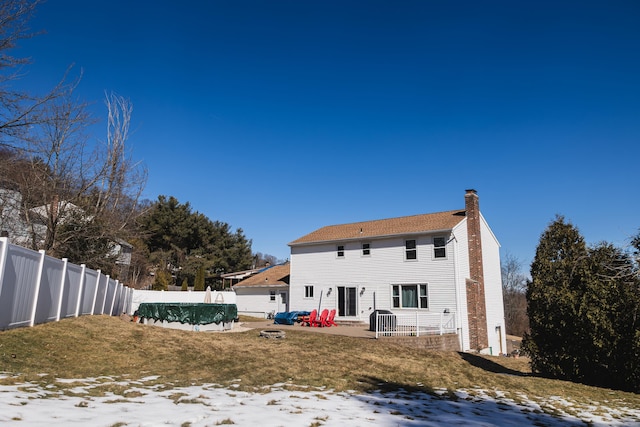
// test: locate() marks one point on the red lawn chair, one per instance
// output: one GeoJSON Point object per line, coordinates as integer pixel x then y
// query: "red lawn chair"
{"type": "Point", "coordinates": [310, 319]}
{"type": "Point", "coordinates": [322, 320]}
{"type": "Point", "coordinates": [330, 321]}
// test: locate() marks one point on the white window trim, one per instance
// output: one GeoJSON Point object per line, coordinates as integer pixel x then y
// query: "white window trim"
{"type": "Point", "coordinates": [305, 292]}
{"type": "Point", "coordinates": [417, 289]}
{"type": "Point", "coordinates": [272, 297]}
{"type": "Point", "coordinates": [338, 251]}
{"type": "Point", "coordinates": [362, 249]}
{"type": "Point", "coordinates": [404, 248]}
{"type": "Point", "coordinates": [446, 251]}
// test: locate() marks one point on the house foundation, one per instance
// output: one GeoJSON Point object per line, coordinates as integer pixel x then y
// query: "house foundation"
{"type": "Point", "coordinates": [445, 342]}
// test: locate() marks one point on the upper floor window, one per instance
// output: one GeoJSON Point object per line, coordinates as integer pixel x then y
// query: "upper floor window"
{"type": "Point", "coordinates": [308, 291]}
{"type": "Point", "coordinates": [340, 252]}
{"type": "Point", "coordinates": [272, 295]}
{"type": "Point", "coordinates": [410, 296]}
{"type": "Point", "coordinates": [410, 249]}
{"type": "Point", "coordinates": [439, 247]}
{"type": "Point", "coordinates": [366, 249]}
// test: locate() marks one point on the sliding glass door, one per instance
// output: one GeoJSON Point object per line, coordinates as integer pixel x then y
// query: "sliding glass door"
{"type": "Point", "coordinates": [347, 301]}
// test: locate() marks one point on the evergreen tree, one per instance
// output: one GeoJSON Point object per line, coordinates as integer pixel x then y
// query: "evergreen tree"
{"type": "Point", "coordinates": [185, 285]}
{"type": "Point", "coordinates": [609, 313]}
{"type": "Point", "coordinates": [162, 280]}
{"type": "Point", "coordinates": [199, 283]}
{"type": "Point", "coordinates": [583, 308]}
{"type": "Point", "coordinates": [184, 240]}
{"type": "Point", "coordinates": [557, 275]}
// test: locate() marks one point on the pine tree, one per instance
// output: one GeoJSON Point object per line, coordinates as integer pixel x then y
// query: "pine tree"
{"type": "Point", "coordinates": [185, 240]}
{"type": "Point", "coordinates": [199, 283]}
{"type": "Point", "coordinates": [162, 280]}
{"type": "Point", "coordinates": [557, 276]}
{"type": "Point", "coordinates": [583, 307]}
{"type": "Point", "coordinates": [610, 314]}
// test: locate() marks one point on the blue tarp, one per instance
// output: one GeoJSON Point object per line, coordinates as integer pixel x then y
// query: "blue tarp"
{"type": "Point", "coordinates": [288, 317]}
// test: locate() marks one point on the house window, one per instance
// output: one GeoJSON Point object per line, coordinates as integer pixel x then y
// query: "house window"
{"type": "Point", "coordinates": [410, 249]}
{"type": "Point", "coordinates": [308, 291]}
{"type": "Point", "coordinates": [439, 247]}
{"type": "Point", "coordinates": [272, 295]}
{"type": "Point", "coordinates": [410, 296]}
{"type": "Point", "coordinates": [340, 252]}
{"type": "Point", "coordinates": [366, 249]}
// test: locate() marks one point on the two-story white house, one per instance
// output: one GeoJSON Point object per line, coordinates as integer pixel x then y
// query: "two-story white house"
{"type": "Point", "coordinates": [445, 262]}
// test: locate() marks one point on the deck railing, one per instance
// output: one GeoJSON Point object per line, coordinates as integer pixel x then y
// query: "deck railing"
{"type": "Point", "coordinates": [414, 324]}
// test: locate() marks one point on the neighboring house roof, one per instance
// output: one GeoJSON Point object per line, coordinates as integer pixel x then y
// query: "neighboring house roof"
{"type": "Point", "coordinates": [63, 209]}
{"type": "Point", "coordinates": [278, 275]}
{"type": "Point", "coordinates": [241, 274]}
{"type": "Point", "coordinates": [123, 243]}
{"type": "Point", "coordinates": [440, 221]}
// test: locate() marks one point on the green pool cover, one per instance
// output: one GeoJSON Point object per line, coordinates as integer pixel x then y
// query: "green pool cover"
{"type": "Point", "coordinates": [191, 313]}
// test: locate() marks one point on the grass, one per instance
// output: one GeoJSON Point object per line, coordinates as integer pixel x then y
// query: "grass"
{"type": "Point", "coordinates": [104, 348]}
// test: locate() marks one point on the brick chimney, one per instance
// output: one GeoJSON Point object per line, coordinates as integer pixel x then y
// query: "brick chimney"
{"type": "Point", "coordinates": [476, 305]}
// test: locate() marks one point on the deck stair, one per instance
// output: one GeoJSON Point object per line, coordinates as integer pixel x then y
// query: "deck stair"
{"type": "Point", "coordinates": [352, 323]}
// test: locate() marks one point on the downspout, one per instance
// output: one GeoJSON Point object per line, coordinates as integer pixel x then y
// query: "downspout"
{"type": "Point", "coordinates": [456, 276]}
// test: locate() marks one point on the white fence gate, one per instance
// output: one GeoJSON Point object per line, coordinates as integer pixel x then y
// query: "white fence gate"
{"type": "Point", "coordinates": [36, 288]}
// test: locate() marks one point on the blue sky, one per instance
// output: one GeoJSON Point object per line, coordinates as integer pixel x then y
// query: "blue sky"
{"type": "Point", "coordinates": [280, 117]}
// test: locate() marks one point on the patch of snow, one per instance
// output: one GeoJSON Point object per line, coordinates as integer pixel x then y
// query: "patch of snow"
{"type": "Point", "coordinates": [207, 405]}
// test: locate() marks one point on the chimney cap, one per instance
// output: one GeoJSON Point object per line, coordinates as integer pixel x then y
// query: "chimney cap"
{"type": "Point", "coordinates": [471, 191]}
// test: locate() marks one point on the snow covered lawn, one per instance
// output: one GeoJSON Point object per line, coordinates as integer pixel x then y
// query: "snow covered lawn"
{"type": "Point", "coordinates": [285, 405]}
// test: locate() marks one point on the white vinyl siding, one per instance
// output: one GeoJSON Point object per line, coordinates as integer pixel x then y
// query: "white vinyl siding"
{"type": "Point", "coordinates": [462, 273]}
{"type": "Point", "coordinates": [257, 300]}
{"type": "Point", "coordinates": [492, 288]}
{"type": "Point", "coordinates": [318, 264]}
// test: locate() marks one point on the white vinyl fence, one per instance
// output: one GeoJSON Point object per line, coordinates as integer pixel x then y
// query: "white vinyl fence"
{"type": "Point", "coordinates": [36, 288]}
{"type": "Point", "coordinates": [414, 324]}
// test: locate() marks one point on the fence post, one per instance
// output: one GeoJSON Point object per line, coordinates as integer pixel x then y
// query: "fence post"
{"type": "Point", "coordinates": [441, 323]}
{"type": "Point", "coordinates": [34, 302]}
{"type": "Point", "coordinates": [65, 262]}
